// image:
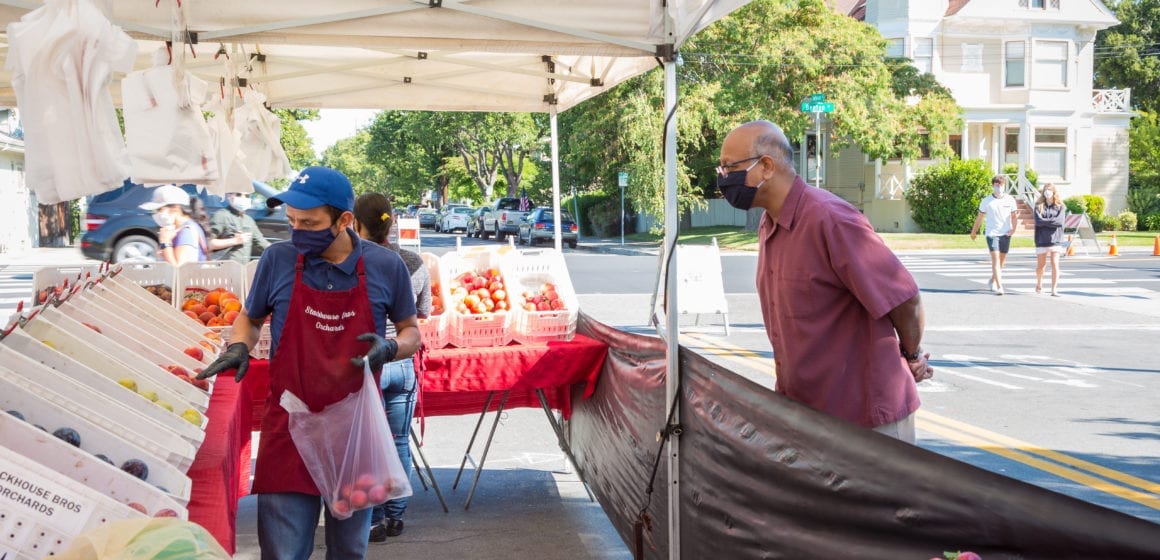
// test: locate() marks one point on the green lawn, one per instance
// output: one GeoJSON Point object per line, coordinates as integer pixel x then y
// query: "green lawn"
{"type": "Point", "coordinates": [735, 238]}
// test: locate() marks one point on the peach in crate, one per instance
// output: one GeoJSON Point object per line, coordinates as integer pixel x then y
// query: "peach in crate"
{"type": "Point", "coordinates": [476, 298]}
{"type": "Point", "coordinates": [544, 303]}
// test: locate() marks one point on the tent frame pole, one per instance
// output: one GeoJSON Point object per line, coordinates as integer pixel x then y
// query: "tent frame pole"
{"type": "Point", "coordinates": [672, 315]}
{"type": "Point", "coordinates": [553, 121]}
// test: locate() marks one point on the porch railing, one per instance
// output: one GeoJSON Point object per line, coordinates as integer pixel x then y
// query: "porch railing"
{"type": "Point", "coordinates": [1111, 100]}
{"type": "Point", "coordinates": [891, 187]}
{"type": "Point", "coordinates": [1022, 189]}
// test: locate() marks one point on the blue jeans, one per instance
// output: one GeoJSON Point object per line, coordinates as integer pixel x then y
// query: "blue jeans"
{"type": "Point", "coordinates": [398, 386]}
{"type": "Point", "coordinates": [286, 524]}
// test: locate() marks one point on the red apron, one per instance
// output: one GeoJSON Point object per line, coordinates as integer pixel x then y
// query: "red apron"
{"type": "Point", "coordinates": [313, 362]}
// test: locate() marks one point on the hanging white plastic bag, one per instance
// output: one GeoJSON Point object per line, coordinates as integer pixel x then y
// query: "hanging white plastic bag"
{"type": "Point", "coordinates": [260, 137]}
{"type": "Point", "coordinates": [348, 449]}
{"type": "Point", "coordinates": [232, 171]}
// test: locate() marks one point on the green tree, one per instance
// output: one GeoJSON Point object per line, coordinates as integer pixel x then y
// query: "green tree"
{"type": "Point", "coordinates": [1144, 151]}
{"type": "Point", "coordinates": [1128, 55]}
{"type": "Point", "coordinates": [945, 197]}
{"type": "Point", "coordinates": [349, 155]}
{"type": "Point", "coordinates": [295, 140]}
{"type": "Point", "coordinates": [411, 147]}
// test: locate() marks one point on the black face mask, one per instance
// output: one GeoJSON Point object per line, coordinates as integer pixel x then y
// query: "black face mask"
{"type": "Point", "coordinates": [734, 189]}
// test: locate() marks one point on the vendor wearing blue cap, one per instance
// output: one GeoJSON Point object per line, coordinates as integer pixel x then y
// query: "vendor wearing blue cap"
{"type": "Point", "coordinates": [329, 294]}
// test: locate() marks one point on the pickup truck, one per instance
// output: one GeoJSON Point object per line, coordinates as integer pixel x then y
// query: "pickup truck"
{"type": "Point", "coordinates": [502, 219]}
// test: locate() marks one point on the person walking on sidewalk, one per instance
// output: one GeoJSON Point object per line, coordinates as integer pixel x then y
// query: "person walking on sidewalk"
{"type": "Point", "coordinates": [845, 318]}
{"type": "Point", "coordinates": [373, 216]}
{"type": "Point", "coordinates": [998, 209]}
{"type": "Point", "coordinates": [329, 294]}
{"type": "Point", "coordinates": [1049, 214]}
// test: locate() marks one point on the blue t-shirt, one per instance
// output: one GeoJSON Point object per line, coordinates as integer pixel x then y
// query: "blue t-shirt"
{"type": "Point", "coordinates": [192, 235]}
{"type": "Point", "coordinates": [388, 283]}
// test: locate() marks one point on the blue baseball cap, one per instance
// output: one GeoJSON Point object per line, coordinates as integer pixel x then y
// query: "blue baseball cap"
{"type": "Point", "coordinates": [314, 187]}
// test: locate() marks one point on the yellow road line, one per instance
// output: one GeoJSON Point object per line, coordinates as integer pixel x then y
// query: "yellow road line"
{"type": "Point", "coordinates": [1092, 482]}
{"type": "Point", "coordinates": [733, 353]}
{"type": "Point", "coordinates": [1056, 456]}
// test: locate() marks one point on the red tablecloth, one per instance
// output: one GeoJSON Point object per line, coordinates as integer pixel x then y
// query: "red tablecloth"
{"type": "Point", "coordinates": [454, 381]}
{"type": "Point", "coordinates": [221, 468]}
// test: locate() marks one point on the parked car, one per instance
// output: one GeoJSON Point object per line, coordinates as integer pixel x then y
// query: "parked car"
{"type": "Point", "coordinates": [540, 225]}
{"type": "Point", "coordinates": [117, 229]}
{"type": "Point", "coordinates": [456, 218]}
{"type": "Point", "coordinates": [427, 218]}
{"type": "Point", "coordinates": [475, 221]}
{"type": "Point", "coordinates": [444, 211]}
{"type": "Point", "coordinates": [502, 219]}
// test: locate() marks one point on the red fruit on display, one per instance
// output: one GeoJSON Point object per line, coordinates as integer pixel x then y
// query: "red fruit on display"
{"type": "Point", "coordinates": [358, 499]}
{"type": "Point", "coordinates": [165, 513]}
{"type": "Point", "coordinates": [195, 352]}
{"type": "Point", "coordinates": [202, 384]}
{"type": "Point", "coordinates": [345, 491]}
{"type": "Point", "coordinates": [138, 507]}
{"type": "Point", "coordinates": [968, 556]}
{"type": "Point", "coordinates": [364, 482]}
{"type": "Point", "coordinates": [377, 494]}
{"type": "Point", "coordinates": [92, 326]}
{"type": "Point", "coordinates": [341, 507]}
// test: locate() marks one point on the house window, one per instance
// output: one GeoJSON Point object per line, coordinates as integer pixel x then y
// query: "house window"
{"type": "Point", "coordinates": [1051, 152]}
{"type": "Point", "coordinates": [1039, 4]}
{"type": "Point", "coordinates": [956, 142]}
{"type": "Point", "coordinates": [1049, 67]}
{"type": "Point", "coordinates": [923, 53]}
{"type": "Point", "coordinates": [972, 57]}
{"type": "Point", "coordinates": [894, 48]}
{"type": "Point", "coordinates": [1013, 64]}
{"type": "Point", "coordinates": [1011, 144]}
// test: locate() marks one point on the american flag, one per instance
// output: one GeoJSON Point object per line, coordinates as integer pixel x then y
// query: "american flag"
{"type": "Point", "coordinates": [525, 203]}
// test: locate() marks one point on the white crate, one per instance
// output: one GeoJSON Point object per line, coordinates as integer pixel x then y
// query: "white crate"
{"type": "Point", "coordinates": [43, 407]}
{"type": "Point", "coordinates": [149, 432]}
{"type": "Point", "coordinates": [209, 275]}
{"type": "Point", "coordinates": [251, 268]}
{"type": "Point", "coordinates": [149, 274]}
{"type": "Point", "coordinates": [84, 467]}
{"type": "Point", "coordinates": [33, 530]}
{"type": "Point", "coordinates": [466, 330]}
{"type": "Point", "coordinates": [433, 329]}
{"type": "Point", "coordinates": [177, 391]}
{"type": "Point", "coordinates": [113, 367]}
{"type": "Point", "coordinates": [528, 271]}
{"type": "Point", "coordinates": [153, 314]}
{"type": "Point", "coordinates": [52, 276]}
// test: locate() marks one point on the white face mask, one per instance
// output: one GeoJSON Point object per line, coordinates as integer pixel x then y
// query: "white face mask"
{"type": "Point", "coordinates": [164, 219]}
{"type": "Point", "coordinates": [1048, 195]}
{"type": "Point", "coordinates": [998, 191]}
{"type": "Point", "coordinates": [241, 203]}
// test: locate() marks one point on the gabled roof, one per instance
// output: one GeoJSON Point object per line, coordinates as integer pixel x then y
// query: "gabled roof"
{"type": "Point", "coordinates": [954, 6]}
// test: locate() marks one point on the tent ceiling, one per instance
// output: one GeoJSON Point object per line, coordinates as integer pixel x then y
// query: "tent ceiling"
{"type": "Point", "coordinates": [478, 55]}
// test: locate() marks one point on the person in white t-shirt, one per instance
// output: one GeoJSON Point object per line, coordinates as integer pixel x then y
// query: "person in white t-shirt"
{"type": "Point", "coordinates": [998, 210]}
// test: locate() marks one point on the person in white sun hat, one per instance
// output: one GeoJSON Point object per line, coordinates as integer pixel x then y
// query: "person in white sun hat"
{"type": "Point", "coordinates": [180, 239]}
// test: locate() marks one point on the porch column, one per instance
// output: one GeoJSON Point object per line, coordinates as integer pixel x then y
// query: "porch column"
{"type": "Point", "coordinates": [965, 141]}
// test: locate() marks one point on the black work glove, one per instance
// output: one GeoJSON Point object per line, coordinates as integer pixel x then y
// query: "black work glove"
{"type": "Point", "coordinates": [382, 351]}
{"type": "Point", "coordinates": [236, 356]}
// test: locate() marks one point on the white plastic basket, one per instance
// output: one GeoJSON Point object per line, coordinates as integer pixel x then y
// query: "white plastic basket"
{"type": "Point", "coordinates": [208, 276]}
{"type": "Point", "coordinates": [250, 269]}
{"type": "Point", "coordinates": [50, 277]}
{"type": "Point", "coordinates": [33, 530]}
{"type": "Point", "coordinates": [467, 330]}
{"type": "Point", "coordinates": [152, 309]}
{"type": "Point", "coordinates": [43, 407]}
{"type": "Point", "coordinates": [528, 271]}
{"type": "Point", "coordinates": [133, 423]}
{"type": "Point", "coordinates": [148, 371]}
{"type": "Point", "coordinates": [149, 275]}
{"type": "Point", "coordinates": [84, 467]}
{"type": "Point", "coordinates": [433, 329]}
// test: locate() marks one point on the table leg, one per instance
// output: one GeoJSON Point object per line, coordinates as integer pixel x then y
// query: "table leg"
{"type": "Point", "coordinates": [567, 449]}
{"type": "Point", "coordinates": [486, 446]}
{"type": "Point", "coordinates": [471, 442]}
{"type": "Point", "coordinates": [431, 475]}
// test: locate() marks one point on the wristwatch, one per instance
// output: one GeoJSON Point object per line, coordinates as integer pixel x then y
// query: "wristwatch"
{"type": "Point", "coordinates": [163, 245]}
{"type": "Point", "coordinates": [910, 357]}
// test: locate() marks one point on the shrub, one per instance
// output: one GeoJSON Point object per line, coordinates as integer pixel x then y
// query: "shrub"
{"type": "Point", "coordinates": [1151, 222]}
{"type": "Point", "coordinates": [1075, 204]}
{"type": "Point", "coordinates": [945, 197]}
{"type": "Point", "coordinates": [1095, 205]}
{"type": "Point", "coordinates": [1144, 200]}
{"type": "Point", "coordinates": [586, 201]}
{"type": "Point", "coordinates": [1105, 223]}
{"type": "Point", "coordinates": [1013, 168]}
{"type": "Point", "coordinates": [605, 218]}
{"type": "Point", "coordinates": [1127, 220]}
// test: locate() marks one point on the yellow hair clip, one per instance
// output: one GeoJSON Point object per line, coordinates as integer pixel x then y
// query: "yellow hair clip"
{"type": "Point", "coordinates": [384, 217]}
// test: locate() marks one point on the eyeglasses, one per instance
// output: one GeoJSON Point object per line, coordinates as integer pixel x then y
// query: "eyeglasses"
{"type": "Point", "coordinates": [723, 170]}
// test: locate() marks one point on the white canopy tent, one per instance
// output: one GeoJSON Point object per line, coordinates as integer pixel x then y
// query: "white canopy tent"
{"type": "Point", "coordinates": [437, 55]}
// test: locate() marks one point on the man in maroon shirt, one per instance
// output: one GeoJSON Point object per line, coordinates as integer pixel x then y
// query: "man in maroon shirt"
{"type": "Point", "coordinates": [844, 316]}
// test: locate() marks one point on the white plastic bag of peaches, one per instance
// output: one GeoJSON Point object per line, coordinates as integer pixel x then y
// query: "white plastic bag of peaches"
{"type": "Point", "coordinates": [478, 293]}
{"type": "Point", "coordinates": [348, 449]}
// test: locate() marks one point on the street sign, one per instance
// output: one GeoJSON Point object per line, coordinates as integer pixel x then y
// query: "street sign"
{"type": "Point", "coordinates": [821, 107]}
{"type": "Point", "coordinates": [622, 179]}
{"type": "Point", "coordinates": [817, 98]}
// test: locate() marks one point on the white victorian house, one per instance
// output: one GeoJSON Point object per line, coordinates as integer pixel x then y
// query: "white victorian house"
{"type": "Point", "coordinates": [1022, 72]}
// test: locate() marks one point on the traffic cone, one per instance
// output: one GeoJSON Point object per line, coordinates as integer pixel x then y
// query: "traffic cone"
{"type": "Point", "coordinates": [1113, 250]}
{"type": "Point", "coordinates": [1070, 248]}
{"type": "Point", "coordinates": [1156, 246]}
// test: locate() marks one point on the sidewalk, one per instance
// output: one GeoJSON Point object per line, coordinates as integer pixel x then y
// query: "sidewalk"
{"type": "Point", "coordinates": [47, 256]}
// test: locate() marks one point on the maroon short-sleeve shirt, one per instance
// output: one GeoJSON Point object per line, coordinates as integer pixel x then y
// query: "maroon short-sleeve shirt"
{"type": "Point", "coordinates": [826, 283]}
